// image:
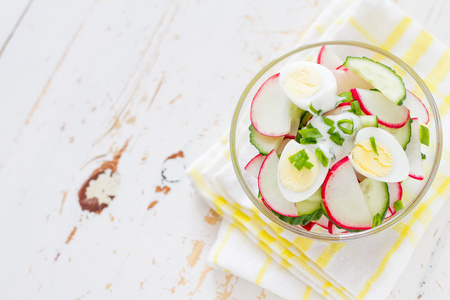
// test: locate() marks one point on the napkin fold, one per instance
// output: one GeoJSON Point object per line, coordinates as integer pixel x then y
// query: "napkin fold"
{"type": "Point", "coordinates": [251, 246]}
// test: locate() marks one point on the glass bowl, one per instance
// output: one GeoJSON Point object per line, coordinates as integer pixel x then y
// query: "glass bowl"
{"type": "Point", "coordinates": [414, 190]}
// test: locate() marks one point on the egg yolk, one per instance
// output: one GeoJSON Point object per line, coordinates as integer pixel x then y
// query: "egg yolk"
{"type": "Point", "coordinates": [367, 160]}
{"type": "Point", "coordinates": [295, 180]}
{"type": "Point", "coordinates": [302, 82]}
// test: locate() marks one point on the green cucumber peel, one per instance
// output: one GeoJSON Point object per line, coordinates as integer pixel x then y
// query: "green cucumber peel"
{"type": "Point", "coordinates": [385, 84]}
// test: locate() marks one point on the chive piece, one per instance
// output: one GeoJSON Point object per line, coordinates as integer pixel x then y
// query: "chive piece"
{"type": "Point", "coordinates": [299, 159]}
{"type": "Point", "coordinates": [331, 130]}
{"type": "Point", "coordinates": [307, 140]}
{"type": "Point", "coordinates": [335, 137]}
{"type": "Point", "coordinates": [328, 121]}
{"type": "Point", "coordinates": [424, 135]}
{"type": "Point", "coordinates": [374, 145]}
{"type": "Point", "coordinates": [346, 126]}
{"type": "Point", "coordinates": [356, 109]}
{"type": "Point", "coordinates": [347, 95]}
{"type": "Point", "coordinates": [313, 110]}
{"type": "Point", "coordinates": [376, 220]}
{"type": "Point", "coordinates": [308, 165]}
{"type": "Point", "coordinates": [398, 205]}
{"type": "Point", "coordinates": [321, 157]}
{"type": "Point", "coordinates": [310, 133]}
{"type": "Point", "coordinates": [423, 156]}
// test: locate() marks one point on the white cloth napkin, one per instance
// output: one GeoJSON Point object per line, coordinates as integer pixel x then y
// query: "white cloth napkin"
{"type": "Point", "coordinates": [252, 247]}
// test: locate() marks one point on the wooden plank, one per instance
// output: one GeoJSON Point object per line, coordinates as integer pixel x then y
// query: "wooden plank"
{"type": "Point", "coordinates": [11, 14]}
{"type": "Point", "coordinates": [34, 51]}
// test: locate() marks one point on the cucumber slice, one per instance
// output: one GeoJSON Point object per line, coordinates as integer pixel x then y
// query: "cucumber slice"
{"type": "Point", "coordinates": [402, 134]}
{"type": "Point", "coordinates": [308, 210]}
{"type": "Point", "coordinates": [380, 76]}
{"type": "Point", "coordinates": [263, 143]}
{"type": "Point", "coordinates": [376, 194]}
{"type": "Point", "coordinates": [368, 121]}
{"type": "Point", "coordinates": [305, 118]}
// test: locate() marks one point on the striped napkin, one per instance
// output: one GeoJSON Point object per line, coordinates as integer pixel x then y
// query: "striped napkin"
{"type": "Point", "coordinates": [252, 247]}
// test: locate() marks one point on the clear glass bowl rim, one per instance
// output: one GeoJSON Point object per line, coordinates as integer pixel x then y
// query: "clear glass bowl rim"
{"type": "Point", "coordinates": [353, 235]}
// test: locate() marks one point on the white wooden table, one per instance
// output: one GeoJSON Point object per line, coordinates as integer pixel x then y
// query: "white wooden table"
{"type": "Point", "coordinates": [147, 85]}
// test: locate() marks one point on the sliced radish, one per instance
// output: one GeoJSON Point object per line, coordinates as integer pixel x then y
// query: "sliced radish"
{"type": "Point", "coordinates": [295, 123]}
{"type": "Point", "coordinates": [268, 187]}
{"type": "Point", "coordinates": [416, 106]}
{"type": "Point", "coordinates": [271, 110]}
{"type": "Point", "coordinates": [283, 144]}
{"type": "Point", "coordinates": [413, 152]}
{"type": "Point", "coordinates": [328, 58]}
{"type": "Point", "coordinates": [375, 103]}
{"type": "Point", "coordinates": [347, 80]}
{"type": "Point", "coordinates": [322, 222]}
{"type": "Point", "coordinates": [254, 165]}
{"type": "Point", "coordinates": [308, 226]}
{"type": "Point", "coordinates": [333, 229]}
{"type": "Point", "coordinates": [344, 106]}
{"type": "Point", "coordinates": [395, 194]}
{"type": "Point", "coordinates": [343, 199]}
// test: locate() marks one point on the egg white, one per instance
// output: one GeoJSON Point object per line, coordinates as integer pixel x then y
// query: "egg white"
{"type": "Point", "coordinates": [325, 98]}
{"type": "Point", "coordinates": [400, 163]}
{"type": "Point", "coordinates": [321, 174]}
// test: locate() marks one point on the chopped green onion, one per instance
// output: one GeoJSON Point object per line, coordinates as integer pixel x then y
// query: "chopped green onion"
{"type": "Point", "coordinates": [313, 110]}
{"type": "Point", "coordinates": [398, 205]}
{"type": "Point", "coordinates": [346, 126]}
{"type": "Point", "coordinates": [347, 95]}
{"type": "Point", "coordinates": [374, 145]}
{"type": "Point", "coordinates": [321, 157]}
{"type": "Point", "coordinates": [335, 137]}
{"type": "Point", "coordinates": [423, 156]}
{"type": "Point", "coordinates": [376, 220]}
{"type": "Point", "coordinates": [356, 109]}
{"type": "Point", "coordinates": [310, 133]}
{"type": "Point", "coordinates": [308, 165]}
{"type": "Point", "coordinates": [328, 121]}
{"type": "Point", "coordinates": [307, 140]}
{"type": "Point", "coordinates": [331, 130]}
{"type": "Point", "coordinates": [299, 159]}
{"type": "Point", "coordinates": [424, 135]}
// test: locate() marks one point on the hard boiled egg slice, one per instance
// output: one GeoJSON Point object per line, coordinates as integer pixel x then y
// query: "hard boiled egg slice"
{"type": "Point", "coordinates": [297, 185]}
{"type": "Point", "coordinates": [388, 164]}
{"type": "Point", "coordinates": [309, 86]}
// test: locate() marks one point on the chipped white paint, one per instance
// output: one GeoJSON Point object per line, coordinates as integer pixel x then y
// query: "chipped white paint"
{"type": "Point", "coordinates": [80, 78]}
{"type": "Point", "coordinates": [104, 187]}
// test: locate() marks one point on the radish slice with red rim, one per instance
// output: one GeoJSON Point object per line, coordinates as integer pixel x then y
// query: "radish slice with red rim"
{"type": "Point", "coordinates": [375, 103]}
{"type": "Point", "coordinates": [268, 187]}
